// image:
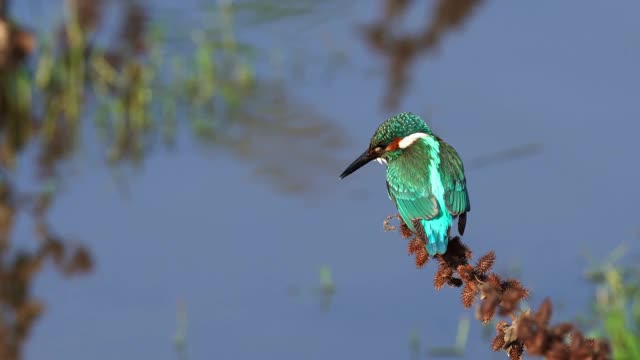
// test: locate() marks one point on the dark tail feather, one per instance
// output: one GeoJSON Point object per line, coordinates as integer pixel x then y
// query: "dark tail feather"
{"type": "Point", "coordinates": [417, 224]}
{"type": "Point", "coordinates": [462, 223]}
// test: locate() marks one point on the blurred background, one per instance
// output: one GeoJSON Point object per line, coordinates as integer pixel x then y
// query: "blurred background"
{"type": "Point", "coordinates": [169, 189]}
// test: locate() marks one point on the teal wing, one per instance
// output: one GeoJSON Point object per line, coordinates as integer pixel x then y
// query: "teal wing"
{"type": "Point", "coordinates": [453, 180]}
{"type": "Point", "coordinates": [409, 188]}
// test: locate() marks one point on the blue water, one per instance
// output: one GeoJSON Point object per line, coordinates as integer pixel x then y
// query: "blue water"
{"type": "Point", "coordinates": [203, 229]}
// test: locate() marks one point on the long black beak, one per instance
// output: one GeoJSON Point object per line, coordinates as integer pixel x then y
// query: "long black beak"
{"type": "Point", "coordinates": [361, 161]}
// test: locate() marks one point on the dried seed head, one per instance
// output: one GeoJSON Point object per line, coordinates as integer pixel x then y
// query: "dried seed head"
{"type": "Point", "coordinates": [442, 276]}
{"type": "Point", "coordinates": [469, 293]}
{"type": "Point", "coordinates": [422, 257]}
{"type": "Point", "coordinates": [562, 330]}
{"type": "Point", "coordinates": [415, 245]}
{"type": "Point", "coordinates": [515, 351]}
{"type": "Point", "coordinates": [527, 330]}
{"type": "Point", "coordinates": [501, 326]}
{"type": "Point", "coordinates": [537, 344]}
{"type": "Point", "coordinates": [466, 273]}
{"type": "Point", "coordinates": [543, 314]}
{"type": "Point", "coordinates": [494, 280]}
{"type": "Point", "coordinates": [510, 300]}
{"type": "Point", "coordinates": [405, 232]}
{"type": "Point", "coordinates": [527, 327]}
{"type": "Point", "coordinates": [515, 285]}
{"type": "Point", "coordinates": [577, 341]}
{"type": "Point", "coordinates": [498, 342]}
{"type": "Point", "coordinates": [558, 351]}
{"type": "Point", "coordinates": [488, 307]}
{"type": "Point", "coordinates": [599, 347]}
{"type": "Point", "coordinates": [386, 224]}
{"type": "Point", "coordinates": [485, 263]}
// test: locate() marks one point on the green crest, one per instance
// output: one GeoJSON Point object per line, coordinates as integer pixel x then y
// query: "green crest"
{"type": "Point", "coordinates": [400, 125]}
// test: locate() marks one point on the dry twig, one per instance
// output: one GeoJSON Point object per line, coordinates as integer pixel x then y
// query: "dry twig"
{"type": "Point", "coordinates": [530, 332]}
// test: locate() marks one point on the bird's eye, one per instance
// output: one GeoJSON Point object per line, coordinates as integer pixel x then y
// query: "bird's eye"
{"type": "Point", "coordinates": [377, 149]}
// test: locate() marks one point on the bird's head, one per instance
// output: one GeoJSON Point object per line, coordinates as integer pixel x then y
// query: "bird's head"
{"type": "Point", "coordinates": [390, 139]}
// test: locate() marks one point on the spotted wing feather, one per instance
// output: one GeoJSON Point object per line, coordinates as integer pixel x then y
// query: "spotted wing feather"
{"type": "Point", "coordinates": [455, 184]}
{"type": "Point", "coordinates": [409, 188]}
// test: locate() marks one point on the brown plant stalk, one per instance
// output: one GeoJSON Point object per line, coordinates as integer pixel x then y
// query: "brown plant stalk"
{"type": "Point", "coordinates": [524, 330]}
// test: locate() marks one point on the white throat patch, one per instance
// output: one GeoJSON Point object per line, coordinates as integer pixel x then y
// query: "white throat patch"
{"type": "Point", "coordinates": [381, 161]}
{"type": "Point", "coordinates": [410, 139]}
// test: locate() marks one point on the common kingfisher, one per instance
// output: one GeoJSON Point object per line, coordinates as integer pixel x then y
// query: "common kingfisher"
{"type": "Point", "coordinates": [425, 178]}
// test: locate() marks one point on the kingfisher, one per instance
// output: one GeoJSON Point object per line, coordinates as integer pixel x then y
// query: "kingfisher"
{"type": "Point", "coordinates": [425, 178]}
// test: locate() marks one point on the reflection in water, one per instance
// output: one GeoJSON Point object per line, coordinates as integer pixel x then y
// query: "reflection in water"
{"type": "Point", "coordinates": [323, 292]}
{"type": "Point", "coordinates": [138, 93]}
{"type": "Point", "coordinates": [288, 143]}
{"type": "Point", "coordinates": [458, 349]}
{"type": "Point", "coordinates": [402, 51]}
{"type": "Point", "coordinates": [180, 337]}
{"type": "Point", "coordinates": [512, 153]}
{"type": "Point", "coordinates": [18, 268]}
{"type": "Point", "coordinates": [327, 287]}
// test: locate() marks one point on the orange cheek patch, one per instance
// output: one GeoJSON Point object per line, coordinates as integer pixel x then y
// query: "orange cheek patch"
{"type": "Point", "coordinates": [395, 144]}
